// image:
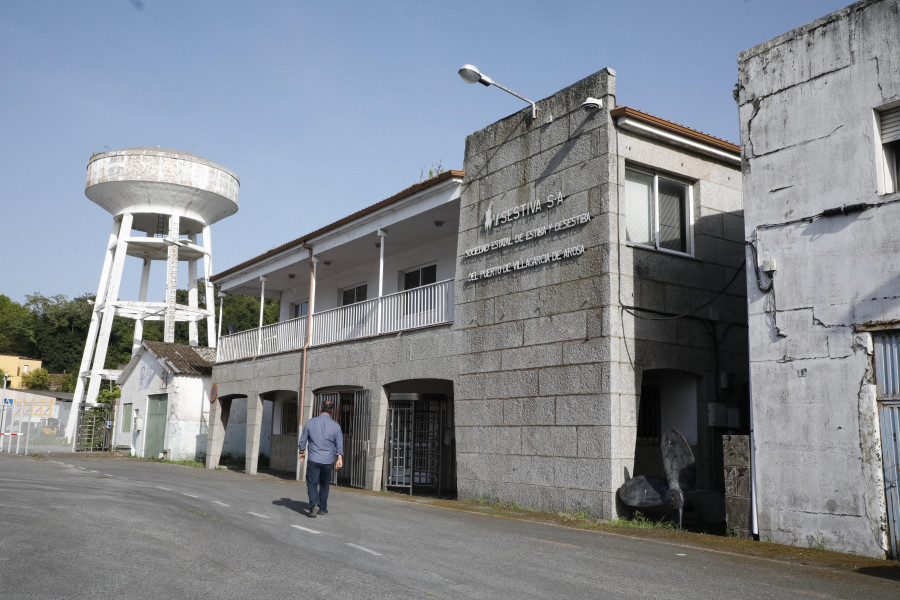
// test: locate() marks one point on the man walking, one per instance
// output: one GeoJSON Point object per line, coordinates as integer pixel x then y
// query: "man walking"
{"type": "Point", "coordinates": [325, 440]}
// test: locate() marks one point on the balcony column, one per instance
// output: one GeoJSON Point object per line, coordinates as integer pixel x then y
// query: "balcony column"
{"type": "Point", "coordinates": [262, 305]}
{"type": "Point", "coordinates": [221, 312]}
{"type": "Point", "coordinates": [382, 235]}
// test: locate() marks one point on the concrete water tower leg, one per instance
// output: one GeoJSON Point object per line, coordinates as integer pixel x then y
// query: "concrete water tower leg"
{"type": "Point", "coordinates": [142, 297]}
{"type": "Point", "coordinates": [110, 297]}
{"type": "Point", "coordinates": [171, 279]}
{"type": "Point", "coordinates": [207, 273]}
{"type": "Point", "coordinates": [192, 297]}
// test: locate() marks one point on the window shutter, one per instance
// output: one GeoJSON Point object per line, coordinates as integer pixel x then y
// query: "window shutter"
{"type": "Point", "coordinates": [890, 125]}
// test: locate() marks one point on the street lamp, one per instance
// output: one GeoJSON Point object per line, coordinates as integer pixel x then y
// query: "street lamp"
{"type": "Point", "coordinates": [471, 74]}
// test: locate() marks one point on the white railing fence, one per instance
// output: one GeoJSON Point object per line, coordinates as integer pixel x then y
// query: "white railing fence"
{"type": "Point", "coordinates": [420, 307]}
{"type": "Point", "coordinates": [345, 323]}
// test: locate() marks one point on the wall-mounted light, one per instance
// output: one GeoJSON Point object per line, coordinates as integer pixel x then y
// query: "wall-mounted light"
{"type": "Point", "coordinates": [438, 223]}
{"type": "Point", "coordinates": [471, 74]}
{"type": "Point", "coordinates": [291, 275]}
{"type": "Point", "coordinates": [592, 104]}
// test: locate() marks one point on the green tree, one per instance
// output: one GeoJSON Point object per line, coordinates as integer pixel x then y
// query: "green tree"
{"type": "Point", "coordinates": [16, 328]}
{"type": "Point", "coordinates": [36, 379]}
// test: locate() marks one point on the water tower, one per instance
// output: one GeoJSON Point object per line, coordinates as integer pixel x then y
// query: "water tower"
{"type": "Point", "coordinates": [160, 200]}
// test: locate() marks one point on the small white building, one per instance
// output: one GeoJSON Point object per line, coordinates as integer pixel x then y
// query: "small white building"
{"type": "Point", "coordinates": [165, 403]}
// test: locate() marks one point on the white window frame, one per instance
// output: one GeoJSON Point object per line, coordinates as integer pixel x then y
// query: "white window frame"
{"type": "Point", "coordinates": [296, 309]}
{"type": "Point", "coordinates": [352, 287]}
{"type": "Point", "coordinates": [689, 210]}
{"type": "Point", "coordinates": [403, 273]}
{"type": "Point", "coordinates": [887, 151]}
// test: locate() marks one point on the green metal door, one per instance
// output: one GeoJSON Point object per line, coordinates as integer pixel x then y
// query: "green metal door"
{"type": "Point", "coordinates": [154, 443]}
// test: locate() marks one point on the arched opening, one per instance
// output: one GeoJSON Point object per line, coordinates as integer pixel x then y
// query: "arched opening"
{"type": "Point", "coordinates": [352, 410]}
{"type": "Point", "coordinates": [420, 444]}
{"type": "Point", "coordinates": [278, 442]}
{"type": "Point", "coordinates": [668, 401]}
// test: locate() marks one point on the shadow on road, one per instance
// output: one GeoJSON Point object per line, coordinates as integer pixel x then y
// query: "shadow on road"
{"type": "Point", "coordinates": [294, 505]}
{"type": "Point", "coordinates": [891, 572]}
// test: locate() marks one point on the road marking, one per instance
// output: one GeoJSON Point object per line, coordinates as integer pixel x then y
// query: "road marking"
{"type": "Point", "coordinates": [364, 549]}
{"type": "Point", "coordinates": [257, 515]}
{"type": "Point", "coordinates": [159, 487]}
{"type": "Point", "coordinates": [189, 495]}
{"type": "Point", "coordinates": [93, 471]}
{"type": "Point", "coordinates": [307, 529]}
{"type": "Point", "coordinates": [108, 475]}
{"type": "Point", "coordinates": [679, 554]}
{"type": "Point", "coordinates": [219, 503]}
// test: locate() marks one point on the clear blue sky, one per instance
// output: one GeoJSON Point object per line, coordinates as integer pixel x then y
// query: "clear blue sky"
{"type": "Point", "coordinates": [321, 108]}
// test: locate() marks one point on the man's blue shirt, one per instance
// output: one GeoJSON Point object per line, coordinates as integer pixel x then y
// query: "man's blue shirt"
{"type": "Point", "coordinates": [325, 439]}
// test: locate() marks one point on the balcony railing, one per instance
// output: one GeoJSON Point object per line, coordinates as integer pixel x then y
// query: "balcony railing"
{"type": "Point", "coordinates": [420, 307]}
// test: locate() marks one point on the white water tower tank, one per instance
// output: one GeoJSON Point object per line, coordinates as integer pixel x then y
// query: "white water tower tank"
{"type": "Point", "coordinates": [160, 201]}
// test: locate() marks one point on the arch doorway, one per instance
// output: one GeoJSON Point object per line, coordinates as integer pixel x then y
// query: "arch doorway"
{"type": "Point", "coordinates": [420, 450]}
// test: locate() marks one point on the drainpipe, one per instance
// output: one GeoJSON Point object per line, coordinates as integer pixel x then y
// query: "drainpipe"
{"type": "Point", "coordinates": [262, 306]}
{"type": "Point", "coordinates": [309, 316]}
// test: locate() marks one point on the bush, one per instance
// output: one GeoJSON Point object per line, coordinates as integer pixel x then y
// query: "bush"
{"type": "Point", "coordinates": [37, 379]}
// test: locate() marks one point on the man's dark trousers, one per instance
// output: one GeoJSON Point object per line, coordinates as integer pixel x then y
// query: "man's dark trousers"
{"type": "Point", "coordinates": [318, 480]}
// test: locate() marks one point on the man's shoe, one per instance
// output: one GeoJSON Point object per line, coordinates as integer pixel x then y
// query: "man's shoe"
{"type": "Point", "coordinates": [323, 512]}
{"type": "Point", "coordinates": [313, 511]}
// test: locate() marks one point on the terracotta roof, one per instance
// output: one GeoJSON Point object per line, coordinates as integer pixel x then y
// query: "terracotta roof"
{"type": "Point", "coordinates": [413, 189]}
{"type": "Point", "coordinates": [183, 360]}
{"type": "Point", "coordinates": [699, 136]}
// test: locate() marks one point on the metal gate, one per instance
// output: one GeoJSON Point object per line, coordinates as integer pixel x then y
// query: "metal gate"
{"type": "Point", "coordinates": [416, 425]}
{"type": "Point", "coordinates": [352, 412]}
{"type": "Point", "coordinates": [890, 457]}
{"type": "Point", "coordinates": [887, 376]}
{"type": "Point", "coordinates": [94, 431]}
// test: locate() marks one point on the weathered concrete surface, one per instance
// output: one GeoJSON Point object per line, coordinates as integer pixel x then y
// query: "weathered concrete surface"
{"type": "Point", "coordinates": [808, 128]}
{"type": "Point", "coordinates": [551, 364]}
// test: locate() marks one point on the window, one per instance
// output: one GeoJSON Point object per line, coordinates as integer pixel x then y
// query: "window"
{"type": "Point", "coordinates": [299, 309]}
{"type": "Point", "coordinates": [889, 125]}
{"type": "Point", "coordinates": [419, 277]}
{"type": "Point", "coordinates": [353, 295]}
{"type": "Point", "coordinates": [126, 418]}
{"type": "Point", "coordinates": [657, 212]}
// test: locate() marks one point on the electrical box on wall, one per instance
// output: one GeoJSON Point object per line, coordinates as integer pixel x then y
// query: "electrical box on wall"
{"type": "Point", "coordinates": [138, 423]}
{"type": "Point", "coordinates": [718, 415]}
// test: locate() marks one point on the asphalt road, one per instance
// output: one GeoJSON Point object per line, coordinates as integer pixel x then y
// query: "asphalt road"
{"type": "Point", "coordinates": [83, 527]}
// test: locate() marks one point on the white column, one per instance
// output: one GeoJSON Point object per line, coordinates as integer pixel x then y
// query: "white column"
{"type": "Point", "coordinates": [142, 297]}
{"type": "Point", "coordinates": [109, 310]}
{"type": "Point", "coordinates": [213, 343]}
{"type": "Point", "coordinates": [91, 342]}
{"type": "Point", "coordinates": [171, 279]}
{"type": "Point", "coordinates": [212, 340]}
{"type": "Point", "coordinates": [262, 305]}
{"type": "Point", "coordinates": [193, 302]}
{"type": "Point", "coordinates": [382, 236]}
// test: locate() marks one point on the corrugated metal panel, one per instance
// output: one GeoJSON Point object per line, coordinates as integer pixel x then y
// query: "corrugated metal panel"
{"type": "Point", "coordinates": [890, 125]}
{"type": "Point", "coordinates": [887, 364]}
{"type": "Point", "coordinates": [890, 456]}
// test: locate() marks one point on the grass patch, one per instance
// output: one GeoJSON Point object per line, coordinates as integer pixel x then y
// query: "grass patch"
{"type": "Point", "coordinates": [640, 521]}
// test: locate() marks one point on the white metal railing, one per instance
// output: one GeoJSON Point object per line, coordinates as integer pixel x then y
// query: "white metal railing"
{"type": "Point", "coordinates": [420, 307]}
{"type": "Point", "coordinates": [346, 323]}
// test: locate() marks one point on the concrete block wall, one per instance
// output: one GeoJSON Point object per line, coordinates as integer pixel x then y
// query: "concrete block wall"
{"type": "Point", "coordinates": [709, 286]}
{"type": "Point", "coordinates": [808, 102]}
{"type": "Point", "coordinates": [738, 485]}
{"type": "Point", "coordinates": [536, 401]}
